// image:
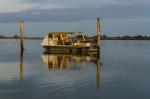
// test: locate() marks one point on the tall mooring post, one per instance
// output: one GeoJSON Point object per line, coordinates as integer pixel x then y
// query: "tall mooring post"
{"type": "Point", "coordinates": [21, 34]}
{"type": "Point", "coordinates": [98, 53]}
{"type": "Point", "coordinates": [22, 49]}
{"type": "Point", "coordinates": [98, 34]}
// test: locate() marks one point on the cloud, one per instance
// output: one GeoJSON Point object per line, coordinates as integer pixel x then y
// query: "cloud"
{"type": "Point", "coordinates": [17, 8]}
{"type": "Point", "coordinates": [12, 2]}
{"type": "Point", "coordinates": [34, 1]}
{"type": "Point", "coordinates": [71, 10]}
{"type": "Point", "coordinates": [25, 5]}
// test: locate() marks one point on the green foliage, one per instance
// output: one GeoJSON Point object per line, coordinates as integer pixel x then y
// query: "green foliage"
{"type": "Point", "coordinates": [1, 36]}
{"type": "Point", "coordinates": [138, 36]}
{"type": "Point", "coordinates": [126, 36]}
{"type": "Point", "coordinates": [16, 36]}
{"type": "Point", "coordinates": [80, 36]}
{"type": "Point", "coordinates": [94, 36]}
{"type": "Point", "coordinates": [104, 36]}
{"type": "Point", "coordinates": [100, 36]}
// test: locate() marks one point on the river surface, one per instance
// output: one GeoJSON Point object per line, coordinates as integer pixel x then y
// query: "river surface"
{"type": "Point", "coordinates": [122, 71]}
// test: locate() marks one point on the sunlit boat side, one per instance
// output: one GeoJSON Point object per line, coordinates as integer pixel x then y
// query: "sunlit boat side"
{"type": "Point", "coordinates": [67, 41]}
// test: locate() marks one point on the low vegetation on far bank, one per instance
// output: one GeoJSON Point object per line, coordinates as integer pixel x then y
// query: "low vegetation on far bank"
{"type": "Point", "coordinates": [126, 37]}
{"type": "Point", "coordinates": [18, 37]}
{"type": "Point", "coordinates": [103, 37]}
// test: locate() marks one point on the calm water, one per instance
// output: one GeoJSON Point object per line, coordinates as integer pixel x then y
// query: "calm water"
{"type": "Point", "coordinates": [123, 72]}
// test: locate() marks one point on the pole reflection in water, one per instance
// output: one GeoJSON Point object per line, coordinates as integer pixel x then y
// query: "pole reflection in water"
{"type": "Point", "coordinates": [75, 62]}
{"type": "Point", "coordinates": [98, 70]}
{"type": "Point", "coordinates": [21, 64]}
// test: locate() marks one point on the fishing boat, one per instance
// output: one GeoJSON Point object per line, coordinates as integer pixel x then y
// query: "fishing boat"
{"type": "Point", "coordinates": [67, 41]}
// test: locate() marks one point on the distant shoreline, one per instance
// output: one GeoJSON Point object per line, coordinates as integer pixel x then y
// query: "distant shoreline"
{"type": "Point", "coordinates": [88, 38]}
{"type": "Point", "coordinates": [26, 38]}
{"type": "Point", "coordinates": [111, 38]}
{"type": "Point", "coordinates": [91, 38]}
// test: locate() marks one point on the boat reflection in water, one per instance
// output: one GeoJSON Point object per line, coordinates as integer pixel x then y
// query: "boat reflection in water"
{"type": "Point", "coordinates": [66, 61]}
{"type": "Point", "coordinates": [73, 62]}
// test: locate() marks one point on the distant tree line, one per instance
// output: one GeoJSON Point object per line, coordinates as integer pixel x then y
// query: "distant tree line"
{"type": "Point", "coordinates": [18, 37]}
{"type": "Point", "coordinates": [103, 37]}
{"type": "Point", "coordinates": [1, 36]}
{"type": "Point", "coordinates": [15, 36]}
{"type": "Point", "coordinates": [126, 37]}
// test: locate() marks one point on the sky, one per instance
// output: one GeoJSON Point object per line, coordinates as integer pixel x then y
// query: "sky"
{"type": "Point", "coordinates": [118, 17]}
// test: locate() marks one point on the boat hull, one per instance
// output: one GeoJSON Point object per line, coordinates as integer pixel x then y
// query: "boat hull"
{"type": "Point", "coordinates": [70, 48]}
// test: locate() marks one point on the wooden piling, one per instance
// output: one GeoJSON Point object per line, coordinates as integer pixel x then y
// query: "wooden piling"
{"type": "Point", "coordinates": [21, 34]}
{"type": "Point", "coordinates": [22, 49]}
{"type": "Point", "coordinates": [98, 33]}
{"type": "Point", "coordinates": [98, 53]}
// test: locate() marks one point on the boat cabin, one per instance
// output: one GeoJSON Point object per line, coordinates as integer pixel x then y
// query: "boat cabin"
{"type": "Point", "coordinates": [67, 41]}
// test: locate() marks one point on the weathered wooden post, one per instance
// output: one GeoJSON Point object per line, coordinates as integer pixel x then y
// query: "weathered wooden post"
{"type": "Point", "coordinates": [21, 34]}
{"type": "Point", "coordinates": [98, 34]}
{"type": "Point", "coordinates": [22, 49]}
{"type": "Point", "coordinates": [98, 53]}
